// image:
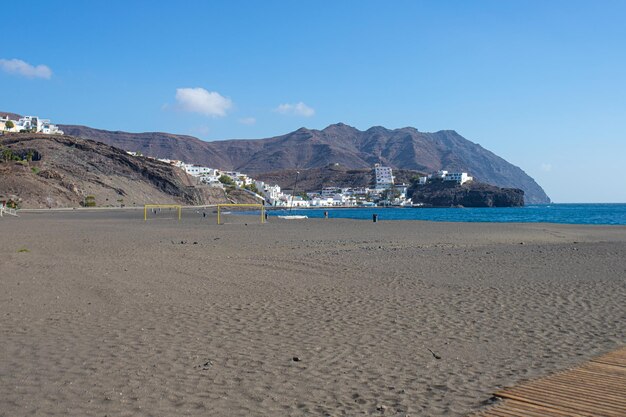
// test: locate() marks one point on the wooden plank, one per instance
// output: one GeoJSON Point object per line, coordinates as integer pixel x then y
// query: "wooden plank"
{"type": "Point", "coordinates": [591, 396]}
{"type": "Point", "coordinates": [593, 375]}
{"type": "Point", "coordinates": [599, 392]}
{"type": "Point", "coordinates": [596, 371]}
{"type": "Point", "coordinates": [617, 358]}
{"type": "Point", "coordinates": [607, 367]}
{"type": "Point", "coordinates": [598, 374]}
{"type": "Point", "coordinates": [588, 382]}
{"type": "Point", "coordinates": [611, 363]}
{"type": "Point", "coordinates": [565, 396]}
{"type": "Point", "coordinates": [531, 412]}
{"type": "Point", "coordinates": [555, 390]}
{"type": "Point", "coordinates": [510, 412]}
{"type": "Point", "coordinates": [558, 397]}
{"type": "Point", "coordinates": [568, 406]}
{"type": "Point", "coordinates": [543, 410]}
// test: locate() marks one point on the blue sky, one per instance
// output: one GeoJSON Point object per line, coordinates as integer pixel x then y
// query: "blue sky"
{"type": "Point", "coordinates": [540, 83]}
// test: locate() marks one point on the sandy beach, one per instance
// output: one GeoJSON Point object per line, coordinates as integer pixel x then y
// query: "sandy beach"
{"type": "Point", "coordinates": [105, 314]}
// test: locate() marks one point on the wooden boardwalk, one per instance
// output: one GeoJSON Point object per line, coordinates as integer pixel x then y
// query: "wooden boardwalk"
{"type": "Point", "coordinates": [597, 388]}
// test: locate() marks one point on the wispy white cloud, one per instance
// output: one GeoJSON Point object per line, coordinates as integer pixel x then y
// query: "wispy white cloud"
{"type": "Point", "coordinates": [247, 121]}
{"type": "Point", "coordinates": [199, 100]}
{"type": "Point", "coordinates": [546, 167]}
{"type": "Point", "coordinates": [298, 109]}
{"type": "Point", "coordinates": [24, 69]}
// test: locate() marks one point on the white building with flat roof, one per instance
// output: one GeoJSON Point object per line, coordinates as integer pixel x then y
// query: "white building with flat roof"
{"type": "Point", "coordinates": [329, 192]}
{"type": "Point", "coordinates": [36, 124]}
{"type": "Point", "coordinates": [197, 170]}
{"type": "Point", "coordinates": [384, 177]}
{"type": "Point", "coordinates": [458, 177]}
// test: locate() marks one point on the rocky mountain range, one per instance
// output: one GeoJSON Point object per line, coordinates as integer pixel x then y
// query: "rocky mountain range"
{"type": "Point", "coordinates": [405, 148]}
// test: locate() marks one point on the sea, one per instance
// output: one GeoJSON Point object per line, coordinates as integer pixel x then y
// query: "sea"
{"type": "Point", "coordinates": [599, 214]}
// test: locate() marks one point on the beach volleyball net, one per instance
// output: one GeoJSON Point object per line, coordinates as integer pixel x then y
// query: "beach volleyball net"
{"type": "Point", "coordinates": [162, 211]}
{"type": "Point", "coordinates": [240, 213]}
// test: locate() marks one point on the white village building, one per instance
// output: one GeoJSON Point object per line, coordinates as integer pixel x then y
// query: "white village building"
{"type": "Point", "coordinates": [384, 177]}
{"type": "Point", "coordinates": [458, 177]}
{"type": "Point", "coordinates": [33, 123]}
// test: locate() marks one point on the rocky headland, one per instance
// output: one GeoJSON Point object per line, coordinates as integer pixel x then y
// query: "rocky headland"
{"type": "Point", "coordinates": [470, 194]}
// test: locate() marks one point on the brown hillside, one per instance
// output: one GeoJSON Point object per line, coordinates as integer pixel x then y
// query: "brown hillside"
{"type": "Point", "coordinates": [64, 170]}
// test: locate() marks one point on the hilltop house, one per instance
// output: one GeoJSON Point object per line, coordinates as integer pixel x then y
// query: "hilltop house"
{"type": "Point", "coordinates": [442, 175]}
{"type": "Point", "coordinates": [31, 123]}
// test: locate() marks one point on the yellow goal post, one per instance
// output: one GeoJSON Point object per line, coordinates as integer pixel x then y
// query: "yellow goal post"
{"type": "Point", "coordinates": [261, 208]}
{"type": "Point", "coordinates": [147, 207]}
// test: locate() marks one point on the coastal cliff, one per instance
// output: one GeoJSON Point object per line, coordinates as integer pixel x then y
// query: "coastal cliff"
{"type": "Point", "coordinates": [470, 194]}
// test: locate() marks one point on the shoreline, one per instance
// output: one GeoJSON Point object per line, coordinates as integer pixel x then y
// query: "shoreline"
{"type": "Point", "coordinates": [441, 215]}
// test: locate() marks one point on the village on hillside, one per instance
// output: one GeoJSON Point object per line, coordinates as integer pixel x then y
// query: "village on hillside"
{"type": "Point", "coordinates": [384, 193]}
{"type": "Point", "coordinates": [32, 124]}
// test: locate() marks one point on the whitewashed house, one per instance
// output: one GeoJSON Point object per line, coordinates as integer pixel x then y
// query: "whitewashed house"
{"type": "Point", "coordinates": [272, 193]}
{"type": "Point", "coordinates": [197, 170]}
{"type": "Point", "coordinates": [322, 202]}
{"type": "Point", "coordinates": [36, 124]}
{"type": "Point", "coordinates": [458, 177]}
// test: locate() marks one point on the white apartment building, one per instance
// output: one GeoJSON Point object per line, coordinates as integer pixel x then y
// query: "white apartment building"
{"type": "Point", "coordinates": [458, 177]}
{"type": "Point", "coordinates": [384, 177]}
{"type": "Point", "coordinates": [197, 170]}
{"type": "Point", "coordinates": [330, 191]}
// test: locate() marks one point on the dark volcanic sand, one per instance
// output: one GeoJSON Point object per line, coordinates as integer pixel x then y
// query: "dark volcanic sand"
{"type": "Point", "coordinates": [103, 313]}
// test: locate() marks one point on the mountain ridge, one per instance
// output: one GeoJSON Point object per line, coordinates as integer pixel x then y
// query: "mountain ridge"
{"type": "Point", "coordinates": [401, 148]}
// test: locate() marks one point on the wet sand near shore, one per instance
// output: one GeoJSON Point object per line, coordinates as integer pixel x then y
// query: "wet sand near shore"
{"type": "Point", "coordinates": [105, 314]}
